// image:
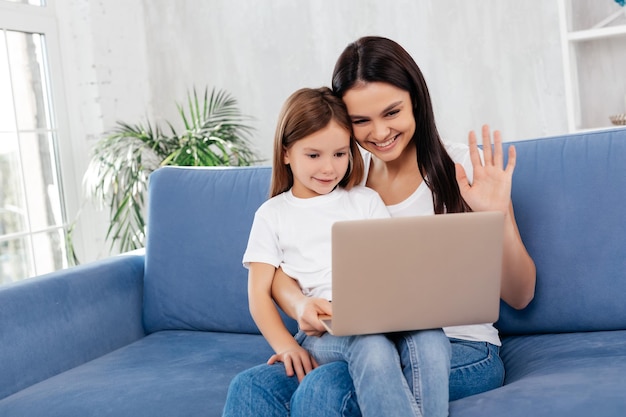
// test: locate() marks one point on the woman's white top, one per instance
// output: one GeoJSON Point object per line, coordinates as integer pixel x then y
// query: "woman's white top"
{"type": "Point", "coordinates": [420, 203]}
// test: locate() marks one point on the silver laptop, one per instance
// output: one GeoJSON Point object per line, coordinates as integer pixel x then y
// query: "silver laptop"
{"type": "Point", "coordinates": [414, 273]}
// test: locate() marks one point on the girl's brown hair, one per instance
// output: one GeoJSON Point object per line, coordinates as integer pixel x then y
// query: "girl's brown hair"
{"type": "Point", "coordinates": [376, 59]}
{"type": "Point", "coordinates": [305, 112]}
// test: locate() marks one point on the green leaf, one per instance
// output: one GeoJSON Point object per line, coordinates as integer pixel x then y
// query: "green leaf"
{"type": "Point", "coordinates": [214, 133]}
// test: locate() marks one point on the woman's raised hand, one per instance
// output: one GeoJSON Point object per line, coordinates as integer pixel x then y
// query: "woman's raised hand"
{"type": "Point", "coordinates": [491, 187]}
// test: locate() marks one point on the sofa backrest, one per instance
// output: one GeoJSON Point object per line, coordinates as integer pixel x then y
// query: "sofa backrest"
{"type": "Point", "coordinates": [198, 225]}
{"type": "Point", "coordinates": [569, 195]}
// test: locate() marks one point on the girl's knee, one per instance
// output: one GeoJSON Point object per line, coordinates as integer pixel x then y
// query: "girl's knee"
{"type": "Point", "coordinates": [333, 383]}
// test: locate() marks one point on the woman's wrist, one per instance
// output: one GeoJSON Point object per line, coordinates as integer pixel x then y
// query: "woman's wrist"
{"type": "Point", "coordinates": [287, 293]}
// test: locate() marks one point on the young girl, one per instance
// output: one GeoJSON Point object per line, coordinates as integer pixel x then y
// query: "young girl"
{"type": "Point", "coordinates": [315, 171]}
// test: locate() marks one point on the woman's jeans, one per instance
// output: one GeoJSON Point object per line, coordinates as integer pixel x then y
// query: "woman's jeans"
{"type": "Point", "coordinates": [266, 390]}
{"type": "Point", "coordinates": [378, 376]}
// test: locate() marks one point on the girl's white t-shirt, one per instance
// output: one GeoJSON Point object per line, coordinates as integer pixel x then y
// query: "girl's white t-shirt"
{"type": "Point", "coordinates": [295, 233]}
{"type": "Point", "coordinates": [420, 203]}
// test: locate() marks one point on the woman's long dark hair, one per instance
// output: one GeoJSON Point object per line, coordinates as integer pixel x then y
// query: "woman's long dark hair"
{"type": "Point", "coordinates": [376, 59]}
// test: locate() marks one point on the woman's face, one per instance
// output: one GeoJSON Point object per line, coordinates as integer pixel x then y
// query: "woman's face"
{"type": "Point", "coordinates": [382, 118]}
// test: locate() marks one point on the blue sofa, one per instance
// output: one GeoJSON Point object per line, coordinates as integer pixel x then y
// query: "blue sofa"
{"type": "Point", "coordinates": [163, 334]}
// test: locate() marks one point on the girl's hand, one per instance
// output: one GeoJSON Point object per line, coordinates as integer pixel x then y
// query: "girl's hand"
{"type": "Point", "coordinates": [308, 311]}
{"type": "Point", "coordinates": [297, 360]}
{"type": "Point", "coordinates": [491, 187]}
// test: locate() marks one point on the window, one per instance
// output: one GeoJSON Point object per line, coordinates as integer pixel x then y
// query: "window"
{"type": "Point", "coordinates": [32, 213]}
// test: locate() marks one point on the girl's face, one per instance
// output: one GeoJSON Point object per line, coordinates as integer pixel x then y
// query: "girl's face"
{"type": "Point", "coordinates": [382, 118]}
{"type": "Point", "coordinates": [319, 161]}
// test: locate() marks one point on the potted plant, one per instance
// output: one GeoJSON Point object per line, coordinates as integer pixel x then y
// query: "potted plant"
{"type": "Point", "coordinates": [215, 133]}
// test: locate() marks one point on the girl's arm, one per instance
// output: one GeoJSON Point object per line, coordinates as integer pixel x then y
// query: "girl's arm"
{"type": "Point", "coordinates": [491, 190]}
{"type": "Point", "coordinates": [296, 359]}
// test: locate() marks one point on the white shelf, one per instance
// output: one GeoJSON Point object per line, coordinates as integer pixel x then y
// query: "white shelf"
{"type": "Point", "coordinates": [593, 84]}
{"type": "Point", "coordinates": [600, 33]}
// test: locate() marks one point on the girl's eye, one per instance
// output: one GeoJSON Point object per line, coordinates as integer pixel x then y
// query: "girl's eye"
{"type": "Point", "coordinates": [341, 154]}
{"type": "Point", "coordinates": [312, 155]}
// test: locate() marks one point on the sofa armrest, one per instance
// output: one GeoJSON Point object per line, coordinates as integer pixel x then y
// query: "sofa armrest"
{"type": "Point", "coordinates": [58, 321]}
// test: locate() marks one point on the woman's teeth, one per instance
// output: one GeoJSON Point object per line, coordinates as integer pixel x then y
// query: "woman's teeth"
{"type": "Point", "coordinates": [386, 143]}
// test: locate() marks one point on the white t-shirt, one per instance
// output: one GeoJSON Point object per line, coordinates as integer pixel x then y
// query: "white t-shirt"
{"type": "Point", "coordinates": [295, 233]}
{"type": "Point", "coordinates": [420, 203]}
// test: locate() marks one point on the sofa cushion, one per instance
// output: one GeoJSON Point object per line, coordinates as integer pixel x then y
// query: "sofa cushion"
{"type": "Point", "coordinates": [571, 374]}
{"type": "Point", "coordinates": [172, 373]}
{"type": "Point", "coordinates": [199, 220]}
{"type": "Point", "coordinates": [569, 195]}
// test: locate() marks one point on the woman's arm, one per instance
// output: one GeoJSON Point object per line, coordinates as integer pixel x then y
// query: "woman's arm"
{"type": "Point", "coordinates": [265, 314]}
{"type": "Point", "coordinates": [491, 190]}
{"type": "Point", "coordinates": [518, 268]}
{"type": "Point", "coordinates": [304, 309]}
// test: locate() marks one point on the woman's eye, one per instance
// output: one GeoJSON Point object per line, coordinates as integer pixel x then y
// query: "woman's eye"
{"type": "Point", "coordinates": [358, 121]}
{"type": "Point", "coordinates": [393, 112]}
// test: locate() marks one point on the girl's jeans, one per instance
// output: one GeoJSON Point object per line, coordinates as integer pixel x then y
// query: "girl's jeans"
{"type": "Point", "coordinates": [266, 390]}
{"type": "Point", "coordinates": [378, 376]}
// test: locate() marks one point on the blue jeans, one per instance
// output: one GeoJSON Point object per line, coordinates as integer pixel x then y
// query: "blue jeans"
{"type": "Point", "coordinates": [266, 390]}
{"type": "Point", "coordinates": [475, 367]}
{"type": "Point", "coordinates": [381, 383]}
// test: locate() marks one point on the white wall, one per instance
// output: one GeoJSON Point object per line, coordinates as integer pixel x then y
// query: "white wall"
{"type": "Point", "coordinates": [486, 61]}
{"type": "Point", "coordinates": [105, 78]}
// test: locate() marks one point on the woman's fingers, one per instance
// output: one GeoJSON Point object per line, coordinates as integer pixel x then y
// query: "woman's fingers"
{"type": "Point", "coordinates": [493, 153]}
{"type": "Point", "coordinates": [487, 145]}
{"type": "Point", "coordinates": [473, 148]}
{"type": "Point", "coordinates": [510, 165]}
{"type": "Point", "coordinates": [498, 158]}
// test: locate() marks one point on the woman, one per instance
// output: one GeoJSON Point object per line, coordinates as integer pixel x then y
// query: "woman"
{"type": "Point", "coordinates": [415, 174]}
